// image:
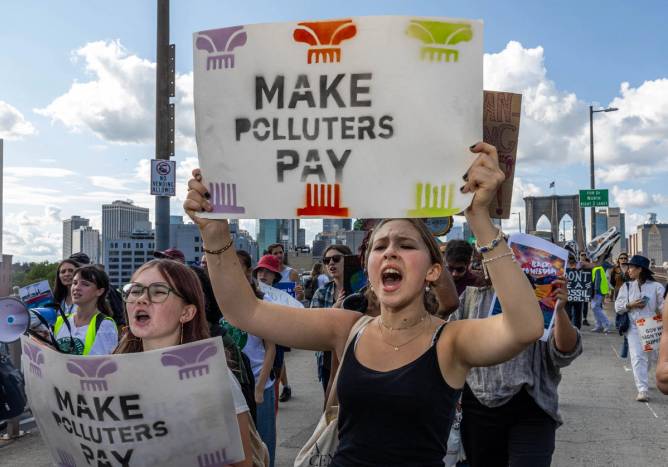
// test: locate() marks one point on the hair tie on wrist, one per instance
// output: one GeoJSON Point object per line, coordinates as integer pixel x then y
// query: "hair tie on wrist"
{"type": "Point", "coordinates": [222, 250]}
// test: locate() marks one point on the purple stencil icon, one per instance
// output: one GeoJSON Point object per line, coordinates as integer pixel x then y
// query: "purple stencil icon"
{"type": "Point", "coordinates": [224, 198]}
{"type": "Point", "coordinates": [36, 357]}
{"type": "Point", "coordinates": [190, 359]}
{"type": "Point", "coordinates": [213, 459]}
{"type": "Point", "coordinates": [65, 459]}
{"type": "Point", "coordinates": [92, 372]}
{"type": "Point", "coordinates": [220, 43]}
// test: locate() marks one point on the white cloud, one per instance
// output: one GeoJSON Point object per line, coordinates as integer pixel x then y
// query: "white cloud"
{"type": "Point", "coordinates": [103, 181]}
{"type": "Point", "coordinates": [13, 124]}
{"type": "Point", "coordinates": [32, 172]}
{"type": "Point", "coordinates": [27, 237]}
{"type": "Point", "coordinates": [117, 103]}
{"type": "Point", "coordinates": [555, 123]}
{"type": "Point", "coordinates": [627, 198]}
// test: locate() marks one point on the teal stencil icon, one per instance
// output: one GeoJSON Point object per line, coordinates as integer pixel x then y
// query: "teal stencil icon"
{"type": "Point", "coordinates": [434, 201]}
{"type": "Point", "coordinates": [439, 38]}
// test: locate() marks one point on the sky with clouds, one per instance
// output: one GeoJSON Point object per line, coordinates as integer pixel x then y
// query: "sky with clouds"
{"type": "Point", "coordinates": [77, 99]}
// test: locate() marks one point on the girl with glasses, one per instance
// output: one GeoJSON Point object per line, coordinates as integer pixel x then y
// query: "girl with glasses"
{"type": "Point", "coordinates": [165, 307]}
{"type": "Point", "coordinates": [402, 375]}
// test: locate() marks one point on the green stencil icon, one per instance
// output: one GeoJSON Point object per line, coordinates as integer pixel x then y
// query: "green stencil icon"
{"type": "Point", "coordinates": [439, 38]}
{"type": "Point", "coordinates": [430, 201]}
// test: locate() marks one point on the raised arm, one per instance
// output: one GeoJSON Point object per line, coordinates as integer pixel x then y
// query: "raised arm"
{"type": "Point", "coordinates": [484, 342]}
{"type": "Point", "coordinates": [662, 364]}
{"type": "Point", "coordinates": [289, 326]}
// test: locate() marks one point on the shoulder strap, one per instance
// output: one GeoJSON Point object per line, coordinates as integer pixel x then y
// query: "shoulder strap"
{"type": "Point", "coordinates": [332, 400]}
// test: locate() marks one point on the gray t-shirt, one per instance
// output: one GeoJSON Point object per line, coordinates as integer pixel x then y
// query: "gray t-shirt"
{"type": "Point", "coordinates": [536, 368]}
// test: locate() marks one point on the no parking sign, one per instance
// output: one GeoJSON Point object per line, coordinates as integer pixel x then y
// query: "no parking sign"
{"type": "Point", "coordinates": [163, 177]}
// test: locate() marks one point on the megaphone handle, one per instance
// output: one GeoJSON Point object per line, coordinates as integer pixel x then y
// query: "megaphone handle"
{"type": "Point", "coordinates": [39, 337]}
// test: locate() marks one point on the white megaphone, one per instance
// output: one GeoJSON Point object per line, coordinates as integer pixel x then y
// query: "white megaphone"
{"type": "Point", "coordinates": [14, 319]}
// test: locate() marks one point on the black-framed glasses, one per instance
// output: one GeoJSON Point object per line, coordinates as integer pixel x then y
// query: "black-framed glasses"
{"type": "Point", "coordinates": [457, 269]}
{"type": "Point", "coordinates": [158, 292]}
{"type": "Point", "coordinates": [334, 258]}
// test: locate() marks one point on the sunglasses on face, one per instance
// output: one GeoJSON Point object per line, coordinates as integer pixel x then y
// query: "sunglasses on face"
{"type": "Point", "coordinates": [334, 259]}
{"type": "Point", "coordinates": [457, 269]}
{"type": "Point", "coordinates": [158, 292]}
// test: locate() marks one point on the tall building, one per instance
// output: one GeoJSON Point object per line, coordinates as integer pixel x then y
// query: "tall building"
{"type": "Point", "coordinates": [185, 237]}
{"type": "Point", "coordinates": [69, 226]}
{"type": "Point", "coordinates": [120, 219]}
{"type": "Point", "coordinates": [334, 225]}
{"type": "Point", "coordinates": [123, 256]}
{"type": "Point", "coordinates": [270, 232]}
{"type": "Point", "coordinates": [612, 217]}
{"type": "Point", "coordinates": [87, 240]}
{"type": "Point", "coordinates": [651, 241]}
{"type": "Point", "coordinates": [5, 260]}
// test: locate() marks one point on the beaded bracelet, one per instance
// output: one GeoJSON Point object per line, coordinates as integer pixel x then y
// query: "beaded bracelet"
{"type": "Point", "coordinates": [489, 260]}
{"type": "Point", "coordinates": [222, 250]}
{"type": "Point", "coordinates": [491, 245]}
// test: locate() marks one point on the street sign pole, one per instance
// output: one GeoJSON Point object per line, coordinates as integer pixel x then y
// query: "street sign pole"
{"type": "Point", "coordinates": [164, 117]}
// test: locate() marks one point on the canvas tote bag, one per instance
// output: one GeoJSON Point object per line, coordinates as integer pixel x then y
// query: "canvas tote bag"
{"type": "Point", "coordinates": [321, 446]}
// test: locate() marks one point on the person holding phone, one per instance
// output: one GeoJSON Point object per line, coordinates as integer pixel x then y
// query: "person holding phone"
{"type": "Point", "coordinates": [641, 297]}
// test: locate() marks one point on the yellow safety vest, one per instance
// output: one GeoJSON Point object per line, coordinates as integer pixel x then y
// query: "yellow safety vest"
{"type": "Point", "coordinates": [91, 332]}
{"type": "Point", "coordinates": [605, 288]}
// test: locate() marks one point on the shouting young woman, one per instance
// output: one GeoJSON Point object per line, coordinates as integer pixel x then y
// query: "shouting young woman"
{"type": "Point", "coordinates": [401, 377]}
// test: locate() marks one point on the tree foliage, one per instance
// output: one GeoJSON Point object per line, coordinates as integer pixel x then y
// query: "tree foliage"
{"type": "Point", "coordinates": [28, 273]}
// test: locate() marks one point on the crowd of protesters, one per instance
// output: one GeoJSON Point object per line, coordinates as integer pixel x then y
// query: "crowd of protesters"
{"type": "Point", "coordinates": [426, 318]}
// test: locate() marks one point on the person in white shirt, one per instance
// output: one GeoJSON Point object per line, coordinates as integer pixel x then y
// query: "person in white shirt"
{"type": "Point", "coordinates": [89, 330]}
{"type": "Point", "coordinates": [641, 297]}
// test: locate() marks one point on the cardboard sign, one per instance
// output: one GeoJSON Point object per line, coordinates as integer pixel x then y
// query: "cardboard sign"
{"type": "Point", "coordinates": [501, 128]}
{"type": "Point", "coordinates": [579, 285]}
{"type": "Point", "coordinates": [306, 119]}
{"type": "Point", "coordinates": [36, 295]}
{"type": "Point", "coordinates": [167, 407]}
{"type": "Point", "coordinates": [649, 330]}
{"type": "Point", "coordinates": [543, 262]}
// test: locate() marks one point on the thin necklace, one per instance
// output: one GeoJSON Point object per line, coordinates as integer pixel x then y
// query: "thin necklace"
{"type": "Point", "coordinates": [399, 346]}
{"type": "Point", "coordinates": [405, 327]}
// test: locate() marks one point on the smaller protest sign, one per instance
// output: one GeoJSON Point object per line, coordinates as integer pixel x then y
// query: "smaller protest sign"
{"type": "Point", "coordinates": [649, 330]}
{"type": "Point", "coordinates": [579, 285]}
{"type": "Point", "coordinates": [542, 262]}
{"type": "Point", "coordinates": [501, 128]}
{"type": "Point", "coordinates": [287, 287]}
{"type": "Point", "coordinates": [169, 407]}
{"type": "Point", "coordinates": [36, 295]}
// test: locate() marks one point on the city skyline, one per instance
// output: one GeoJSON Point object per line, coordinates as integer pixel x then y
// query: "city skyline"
{"type": "Point", "coordinates": [84, 136]}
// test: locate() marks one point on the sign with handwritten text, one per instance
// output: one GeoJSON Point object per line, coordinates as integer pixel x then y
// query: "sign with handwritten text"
{"type": "Point", "coordinates": [356, 117]}
{"type": "Point", "coordinates": [168, 407]}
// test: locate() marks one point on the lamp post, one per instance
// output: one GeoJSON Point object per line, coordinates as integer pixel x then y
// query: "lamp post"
{"type": "Point", "coordinates": [519, 221]}
{"type": "Point", "coordinates": [591, 160]}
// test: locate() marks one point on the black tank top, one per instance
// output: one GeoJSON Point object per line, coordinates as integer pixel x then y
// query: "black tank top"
{"type": "Point", "coordinates": [396, 418]}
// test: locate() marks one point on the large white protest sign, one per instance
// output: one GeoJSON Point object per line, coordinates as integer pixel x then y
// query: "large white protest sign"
{"type": "Point", "coordinates": [168, 407]}
{"type": "Point", "coordinates": [649, 330]}
{"type": "Point", "coordinates": [359, 117]}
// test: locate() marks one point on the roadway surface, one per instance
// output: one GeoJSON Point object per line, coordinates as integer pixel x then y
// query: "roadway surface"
{"type": "Point", "coordinates": [603, 424]}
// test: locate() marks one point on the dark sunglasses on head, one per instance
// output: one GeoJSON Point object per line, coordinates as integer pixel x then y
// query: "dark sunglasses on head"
{"type": "Point", "coordinates": [457, 269]}
{"type": "Point", "coordinates": [334, 258]}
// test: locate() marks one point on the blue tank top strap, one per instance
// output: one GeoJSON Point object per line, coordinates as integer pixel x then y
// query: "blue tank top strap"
{"type": "Point", "coordinates": [437, 333]}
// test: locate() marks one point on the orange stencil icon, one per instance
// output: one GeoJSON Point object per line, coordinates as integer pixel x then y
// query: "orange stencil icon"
{"type": "Point", "coordinates": [324, 37]}
{"type": "Point", "coordinates": [320, 202]}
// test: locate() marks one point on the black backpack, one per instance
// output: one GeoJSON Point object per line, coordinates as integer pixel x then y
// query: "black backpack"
{"type": "Point", "coordinates": [12, 393]}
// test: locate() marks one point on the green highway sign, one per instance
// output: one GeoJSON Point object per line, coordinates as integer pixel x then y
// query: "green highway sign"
{"type": "Point", "coordinates": [593, 198]}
